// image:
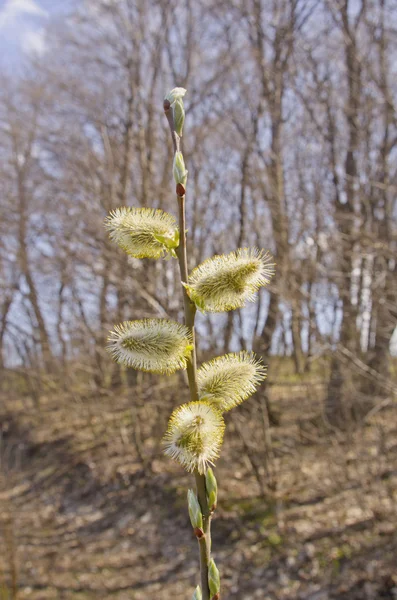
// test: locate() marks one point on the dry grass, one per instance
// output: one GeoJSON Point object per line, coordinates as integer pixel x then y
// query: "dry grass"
{"type": "Point", "coordinates": [89, 508]}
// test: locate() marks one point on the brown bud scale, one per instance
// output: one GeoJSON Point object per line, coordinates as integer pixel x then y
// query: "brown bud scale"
{"type": "Point", "coordinates": [216, 597]}
{"type": "Point", "coordinates": [167, 105]}
{"type": "Point", "coordinates": [180, 190]}
{"type": "Point", "coordinates": [198, 532]}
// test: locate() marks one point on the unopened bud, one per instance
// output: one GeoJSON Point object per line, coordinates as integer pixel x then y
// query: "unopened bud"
{"type": "Point", "coordinates": [175, 94]}
{"type": "Point", "coordinates": [179, 117]}
{"type": "Point", "coordinates": [212, 489]}
{"type": "Point", "coordinates": [197, 594]}
{"type": "Point", "coordinates": [179, 169]}
{"type": "Point", "coordinates": [195, 515]}
{"type": "Point", "coordinates": [214, 582]}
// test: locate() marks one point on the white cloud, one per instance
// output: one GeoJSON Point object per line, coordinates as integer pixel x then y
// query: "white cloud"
{"type": "Point", "coordinates": [21, 29]}
{"type": "Point", "coordinates": [13, 10]}
{"type": "Point", "coordinates": [33, 42]}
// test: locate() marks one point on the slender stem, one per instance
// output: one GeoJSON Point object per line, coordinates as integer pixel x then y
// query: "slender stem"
{"type": "Point", "coordinates": [190, 313]}
{"type": "Point", "coordinates": [190, 308]}
{"type": "Point", "coordinates": [205, 541]}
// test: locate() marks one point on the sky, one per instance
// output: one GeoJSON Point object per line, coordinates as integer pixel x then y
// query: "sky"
{"type": "Point", "coordinates": [23, 34]}
{"type": "Point", "coordinates": [22, 27]}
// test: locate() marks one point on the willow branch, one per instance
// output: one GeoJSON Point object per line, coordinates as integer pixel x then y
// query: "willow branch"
{"type": "Point", "coordinates": [189, 307]}
{"type": "Point", "coordinates": [205, 541]}
{"type": "Point", "coordinates": [190, 313]}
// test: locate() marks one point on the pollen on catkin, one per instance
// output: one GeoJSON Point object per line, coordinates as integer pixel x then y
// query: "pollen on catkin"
{"type": "Point", "coordinates": [143, 232]}
{"type": "Point", "coordinates": [194, 436]}
{"type": "Point", "coordinates": [228, 380]}
{"type": "Point", "coordinates": [153, 345]}
{"type": "Point", "coordinates": [226, 282]}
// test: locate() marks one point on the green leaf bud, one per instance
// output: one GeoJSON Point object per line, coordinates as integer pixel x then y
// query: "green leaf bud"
{"type": "Point", "coordinates": [197, 595]}
{"type": "Point", "coordinates": [179, 169]}
{"type": "Point", "coordinates": [196, 518]}
{"type": "Point", "coordinates": [175, 94]}
{"type": "Point", "coordinates": [212, 488]}
{"type": "Point", "coordinates": [214, 582]}
{"type": "Point", "coordinates": [179, 116]}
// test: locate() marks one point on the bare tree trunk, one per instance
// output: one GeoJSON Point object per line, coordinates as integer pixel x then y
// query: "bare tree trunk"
{"type": "Point", "coordinates": [3, 325]}
{"type": "Point", "coordinates": [384, 268]}
{"type": "Point", "coordinates": [335, 411]}
{"type": "Point", "coordinates": [26, 272]}
{"type": "Point", "coordinates": [386, 322]}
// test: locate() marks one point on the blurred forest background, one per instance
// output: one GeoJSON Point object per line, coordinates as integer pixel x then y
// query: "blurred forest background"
{"type": "Point", "coordinates": [291, 145]}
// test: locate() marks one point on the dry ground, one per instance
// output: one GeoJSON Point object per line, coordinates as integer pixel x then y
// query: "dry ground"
{"type": "Point", "coordinates": [89, 508]}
